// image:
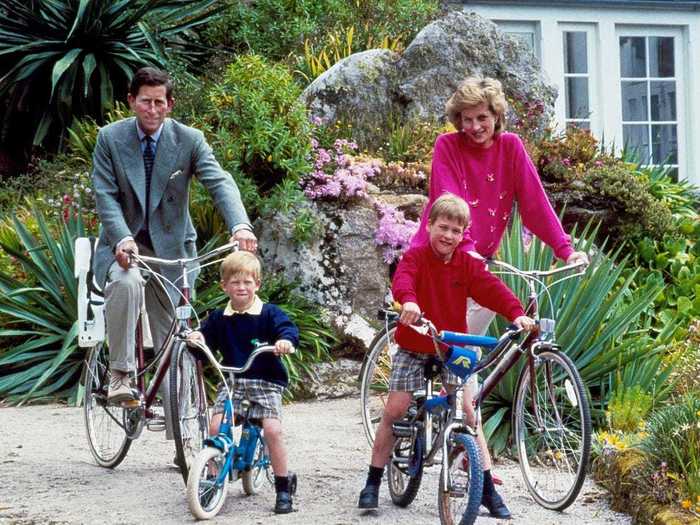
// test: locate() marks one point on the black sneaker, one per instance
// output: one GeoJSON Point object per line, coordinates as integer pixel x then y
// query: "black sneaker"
{"type": "Point", "coordinates": [369, 497]}
{"type": "Point", "coordinates": [283, 503]}
{"type": "Point", "coordinates": [495, 505]}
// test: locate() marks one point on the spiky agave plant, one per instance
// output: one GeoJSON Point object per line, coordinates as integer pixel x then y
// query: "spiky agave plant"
{"type": "Point", "coordinates": [65, 58]}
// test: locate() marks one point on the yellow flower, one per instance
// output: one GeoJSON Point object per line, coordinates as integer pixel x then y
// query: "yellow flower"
{"type": "Point", "coordinates": [686, 504]}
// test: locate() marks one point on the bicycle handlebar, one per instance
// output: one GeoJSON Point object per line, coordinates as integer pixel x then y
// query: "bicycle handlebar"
{"type": "Point", "coordinates": [262, 349]}
{"type": "Point", "coordinates": [186, 261]}
{"type": "Point", "coordinates": [535, 273]}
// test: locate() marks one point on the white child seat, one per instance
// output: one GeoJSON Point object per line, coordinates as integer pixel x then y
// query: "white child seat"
{"type": "Point", "coordinates": [91, 303]}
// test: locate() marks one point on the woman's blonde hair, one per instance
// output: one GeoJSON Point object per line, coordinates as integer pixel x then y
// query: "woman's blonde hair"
{"type": "Point", "coordinates": [240, 262]}
{"type": "Point", "coordinates": [474, 91]}
{"type": "Point", "coordinates": [451, 207]}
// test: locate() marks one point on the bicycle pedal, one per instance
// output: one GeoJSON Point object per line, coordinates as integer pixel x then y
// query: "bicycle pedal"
{"type": "Point", "coordinates": [131, 403]}
{"type": "Point", "coordinates": [156, 425]}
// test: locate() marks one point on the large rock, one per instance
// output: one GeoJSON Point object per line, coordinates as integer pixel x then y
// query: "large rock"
{"type": "Point", "coordinates": [375, 87]}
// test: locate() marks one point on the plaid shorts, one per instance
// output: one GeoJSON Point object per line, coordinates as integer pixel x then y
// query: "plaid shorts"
{"type": "Point", "coordinates": [265, 398]}
{"type": "Point", "coordinates": [407, 372]}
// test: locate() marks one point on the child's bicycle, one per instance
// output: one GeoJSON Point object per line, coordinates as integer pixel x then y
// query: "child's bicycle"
{"type": "Point", "coordinates": [433, 431]}
{"type": "Point", "coordinates": [222, 460]}
{"type": "Point", "coordinates": [112, 428]}
{"type": "Point", "coordinates": [551, 414]}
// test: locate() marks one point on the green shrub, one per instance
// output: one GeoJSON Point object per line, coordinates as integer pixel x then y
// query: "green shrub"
{"type": "Point", "coordinates": [674, 439]}
{"type": "Point", "coordinates": [627, 408]}
{"type": "Point", "coordinates": [257, 124]}
{"type": "Point", "coordinates": [685, 356]}
{"type": "Point", "coordinates": [72, 58]}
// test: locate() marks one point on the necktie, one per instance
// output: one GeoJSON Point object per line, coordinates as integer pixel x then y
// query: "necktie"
{"type": "Point", "coordinates": [148, 157]}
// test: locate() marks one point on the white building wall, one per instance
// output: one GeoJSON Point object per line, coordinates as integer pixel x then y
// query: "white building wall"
{"type": "Point", "coordinates": [605, 26]}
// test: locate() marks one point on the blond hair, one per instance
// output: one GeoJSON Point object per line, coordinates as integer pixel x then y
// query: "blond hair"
{"type": "Point", "coordinates": [240, 263]}
{"type": "Point", "coordinates": [450, 207]}
{"type": "Point", "coordinates": [473, 91]}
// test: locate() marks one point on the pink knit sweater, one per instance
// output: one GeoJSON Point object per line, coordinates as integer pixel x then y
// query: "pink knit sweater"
{"type": "Point", "coordinates": [490, 180]}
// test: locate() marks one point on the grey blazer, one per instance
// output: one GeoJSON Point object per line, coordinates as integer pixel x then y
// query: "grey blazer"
{"type": "Point", "coordinates": [120, 185]}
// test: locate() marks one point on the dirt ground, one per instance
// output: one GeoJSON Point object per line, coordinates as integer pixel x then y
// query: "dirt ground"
{"type": "Point", "coordinates": [48, 476]}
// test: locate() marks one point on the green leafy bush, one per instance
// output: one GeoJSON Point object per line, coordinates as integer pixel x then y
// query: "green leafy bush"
{"type": "Point", "coordinates": [257, 125]}
{"type": "Point", "coordinates": [72, 58]}
{"type": "Point", "coordinates": [674, 440]}
{"type": "Point", "coordinates": [627, 408]}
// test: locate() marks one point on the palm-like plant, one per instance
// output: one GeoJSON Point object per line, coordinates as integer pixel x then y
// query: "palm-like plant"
{"type": "Point", "coordinates": [598, 326]}
{"type": "Point", "coordinates": [66, 58]}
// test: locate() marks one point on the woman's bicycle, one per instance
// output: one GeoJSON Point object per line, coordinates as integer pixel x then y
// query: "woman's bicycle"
{"type": "Point", "coordinates": [223, 460]}
{"type": "Point", "coordinates": [551, 414]}
{"type": "Point", "coordinates": [112, 428]}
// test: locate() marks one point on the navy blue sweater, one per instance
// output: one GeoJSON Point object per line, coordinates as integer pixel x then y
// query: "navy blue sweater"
{"type": "Point", "coordinates": [233, 336]}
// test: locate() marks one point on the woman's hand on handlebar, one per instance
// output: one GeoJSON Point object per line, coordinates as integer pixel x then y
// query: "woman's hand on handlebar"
{"type": "Point", "coordinates": [410, 313]}
{"type": "Point", "coordinates": [578, 258]}
{"type": "Point", "coordinates": [524, 323]}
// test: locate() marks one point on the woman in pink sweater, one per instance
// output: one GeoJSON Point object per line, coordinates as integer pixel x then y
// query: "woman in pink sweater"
{"type": "Point", "coordinates": [490, 169]}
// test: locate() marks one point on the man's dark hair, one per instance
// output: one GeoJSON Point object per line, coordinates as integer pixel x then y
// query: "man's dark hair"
{"type": "Point", "coordinates": [150, 76]}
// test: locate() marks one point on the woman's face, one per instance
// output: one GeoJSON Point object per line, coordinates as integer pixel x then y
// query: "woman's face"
{"type": "Point", "coordinates": [479, 124]}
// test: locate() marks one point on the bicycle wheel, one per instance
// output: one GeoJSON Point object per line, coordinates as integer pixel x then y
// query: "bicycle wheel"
{"type": "Point", "coordinates": [205, 496]}
{"type": "Point", "coordinates": [552, 427]}
{"type": "Point", "coordinates": [460, 499]}
{"type": "Point", "coordinates": [403, 484]}
{"type": "Point", "coordinates": [260, 471]}
{"type": "Point", "coordinates": [104, 424]}
{"type": "Point", "coordinates": [188, 406]}
{"type": "Point", "coordinates": [374, 379]}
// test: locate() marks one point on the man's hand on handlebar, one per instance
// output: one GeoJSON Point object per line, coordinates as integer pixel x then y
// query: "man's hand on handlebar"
{"type": "Point", "coordinates": [410, 313]}
{"type": "Point", "coordinates": [246, 240]}
{"type": "Point", "coordinates": [124, 252]}
{"type": "Point", "coordinates": [195, 337]}
{"type": "Point", "coordinates": [524, 323]}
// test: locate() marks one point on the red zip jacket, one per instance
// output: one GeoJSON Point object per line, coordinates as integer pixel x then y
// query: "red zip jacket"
{"type": "Point", "coordinates": [441, 290]}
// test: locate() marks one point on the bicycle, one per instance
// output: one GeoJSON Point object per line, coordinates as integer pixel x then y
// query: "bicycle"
{"type": "Point", "coordinates": [222, 460]}
{"type": "Point", "coordinates": [112, 428]}
{"type": "Point", "coordinates": [433, 431]}
{"type": "Point", "coordinates": [551, 413]}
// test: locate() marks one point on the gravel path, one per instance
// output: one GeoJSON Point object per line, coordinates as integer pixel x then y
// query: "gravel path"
{"type": "Point", "coordinates": [47, 475]}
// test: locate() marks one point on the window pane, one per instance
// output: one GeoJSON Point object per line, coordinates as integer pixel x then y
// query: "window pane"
{"type": "Point", "coordinates": [634, 101]}
{"type": "Point", "coordinates": [577, 98]}
{"type": "Point", "coordinates": [663, 100]}
{"type": "Point", "coordinates": [526, 38]}
{"type": "Point", "coordinates": [661, 56]}
{"type": "Point", "coordinates": [575, 54]}
{"type": "Point", "coordinates": [664, 144]}
{"type": "Point", "coordinates": [636, 139]}
{"type": "Point", "coordinates": [581, 124]}
{"type": "Point", "coordinates": [632, 57]}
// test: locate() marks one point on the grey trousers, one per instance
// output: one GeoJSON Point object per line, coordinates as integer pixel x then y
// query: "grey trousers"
{"type": "Point", "coordinates": [124, 294]}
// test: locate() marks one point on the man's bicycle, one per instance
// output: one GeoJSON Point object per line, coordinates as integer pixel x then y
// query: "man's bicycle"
{"type": "Point", "coordinates": [551, 414]}
{"type": "Point", "coordinates": [223, 460]}
{"type": "Point", "coordinates": [112, 428]}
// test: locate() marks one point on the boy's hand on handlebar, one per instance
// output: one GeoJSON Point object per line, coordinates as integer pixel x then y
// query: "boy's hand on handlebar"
{"type": "Point", "coordinates": [124, 252]}
{"type": "Point", "coordinates": [246, 240]}
{"type": "Point", "coordinates": [283, 347]}
{"type": "Point", "coordinates": [578, 257]}
{"type": "Point", "coordinates": [410, 313]}
{"type": "Point", "coordinates": [524, 323]}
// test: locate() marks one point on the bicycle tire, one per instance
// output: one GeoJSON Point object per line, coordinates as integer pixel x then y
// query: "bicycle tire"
{"type": "Point", "coordinates": [465, 483]}
{"type": "Point", "coordinates": [261, 470]}
{"type": "Point", "coordinates": [554, 457]}
{"type": "Point", "coordinates": [403, 487]}
{"type": "Point", "coordinates": [204, 497]}
{"type": "Point", "coordinates": [374, 379]}
{"type": "Point", "coordinates": [188, 406]}
{"type": "Point", "coordinates": [104, 424]}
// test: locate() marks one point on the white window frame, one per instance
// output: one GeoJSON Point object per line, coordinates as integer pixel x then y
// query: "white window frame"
{"type": "Point", "coordinates": [679, 52]}
{"type": "Point", "coordinates": [592, 38]}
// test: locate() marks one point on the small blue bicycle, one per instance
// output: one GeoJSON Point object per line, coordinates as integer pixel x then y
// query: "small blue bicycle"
{"type": "Point", "coordinates": [222, 460]}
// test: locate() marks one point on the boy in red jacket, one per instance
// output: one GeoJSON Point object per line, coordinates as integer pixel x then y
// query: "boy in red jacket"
{"type": "Point", "coordinates": [435, 281]}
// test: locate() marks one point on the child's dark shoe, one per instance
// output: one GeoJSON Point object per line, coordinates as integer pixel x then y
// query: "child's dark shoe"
{"type": "Point", "coordinates": [497, 508]}
{"type": "Point", "coordinates": [283, 503]}
{"type": "Point", "coordinates": [369, 497]}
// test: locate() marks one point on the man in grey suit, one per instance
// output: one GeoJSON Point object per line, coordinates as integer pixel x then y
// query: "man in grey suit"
{"type": "Point", "coordinates": [142, 168]}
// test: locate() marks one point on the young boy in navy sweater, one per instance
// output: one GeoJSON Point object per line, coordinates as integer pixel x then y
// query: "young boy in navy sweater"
{"type": "Point", "coordinates": [435, 281]}
{"type": "Point", "coordinates": [231, 331]}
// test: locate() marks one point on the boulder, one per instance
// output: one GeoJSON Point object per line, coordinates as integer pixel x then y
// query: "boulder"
{"type": "Point", "coordinates": [330, 380]}
{"type": "Point", "coordinates": [377, 87]}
